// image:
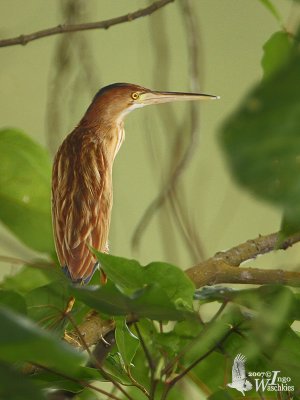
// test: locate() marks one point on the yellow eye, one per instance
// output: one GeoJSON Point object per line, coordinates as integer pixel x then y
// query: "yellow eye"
{"type": "Point", "coordinates": [135, 95]}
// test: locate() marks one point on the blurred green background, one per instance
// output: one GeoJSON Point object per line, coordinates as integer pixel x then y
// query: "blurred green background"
{"type": "Point", "coordinates": [47, 85]}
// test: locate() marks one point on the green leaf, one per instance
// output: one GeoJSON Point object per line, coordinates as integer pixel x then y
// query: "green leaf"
{"type": "Point", "coordinates": [27, 279]}
{"type": "Point", "coordinates": [22, 340]}
{"type": "Point", "coordinates": [171, 343]}
{"type": "Point", "coordinates": [47, 303]}
{"type": "Point", "coordinates": [126, 341]}
{"type": "Point", "coordinates": [213, 293]}
{"type": "Point", "coordinates": [145, 303]}
{"type": "Point", "coordinates": [179, 288]}
{"type": "Point", "coordinates": [273, 10]}
{"type": "Point", "coordinates": [130, 275]}
{"type": "Point", "coordinates": [286, 357]}
{"type": "Point", "coordinates": [268, 297]}
{"type": "Point", "coordinates": [290, 223]}
{"type": "Point", "coordinates": [25, 172]}
{"type": "Point", "coordinates": [222, 394]}
{"type": "Point", "coordinates": [277, 52]}
{"type": "Point", "coordinates": [113, 367]}
{"type": "Point", "coordinates": [187, 329]}
{"type": "Point", "coordinates": [256, 298]}
{"type": "Point", "coordinates": [15, 386]}
{"type": "Point", "coordinates": [203, 371]}
{"type": "Point", "coordinates": [213, 336]}
{"type": "Point", "coordinates": [262, 142]}
{"type": "Point", "coordinates": [46, 380]}
{"type": "Point", "coordinates": [13, 300]}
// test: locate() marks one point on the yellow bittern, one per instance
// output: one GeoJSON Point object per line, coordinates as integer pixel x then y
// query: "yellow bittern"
{"type": "Point", "coordinates": [82, 174]}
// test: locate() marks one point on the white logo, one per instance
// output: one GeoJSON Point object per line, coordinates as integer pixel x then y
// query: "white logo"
{"type": "Point", "coordinates": [265, 381]}
{"type": "Point", "coordinates": [239, 380]}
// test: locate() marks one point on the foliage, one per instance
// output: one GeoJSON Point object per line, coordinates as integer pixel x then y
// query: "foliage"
{"type": "Point", "coordinates": [265, 130]}
{"type": "Point", "coordinates": [159, 337]}
{"type": "Point", "coordinates": [24, 190]}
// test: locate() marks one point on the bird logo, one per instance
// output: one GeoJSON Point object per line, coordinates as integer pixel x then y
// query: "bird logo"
{"type": "Point", "coordinates": [239, 380]}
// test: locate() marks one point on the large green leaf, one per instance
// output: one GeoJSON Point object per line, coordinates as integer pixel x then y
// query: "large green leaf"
{"type": "Point", "coordinates": [75, 383]}
{"type": "Point", "coordinates": [13, 300]}
{"type": "Point", "coordinates": [46, 304]}
{"type": "Point", "coordinates": [262, 138]}
{"type": "Point", "coordinates": [211, 337]}
{"type": "Point", "coordinates": [130, 275]}
{"type": "Point", "coordinates": [126, 341]}
{"type": "Point", "coordinates": [22, 340]}
{"type": "Point", "coordinates": [203, 371]}
{"type": "Point", "coordinates": [256, 298]}
{"type": "Point", "coordinates": [15, 386]}
{"type": "Point", "coordinates": [286, 357]}
{"type": "Point", "coordinates": [149, 302]}
{"type": "Point", "coordinates": [277, 51]}
{"type": "Point", "coordinates": [25, 171]}
{"type": "Point", "coordinates": [29, 278]}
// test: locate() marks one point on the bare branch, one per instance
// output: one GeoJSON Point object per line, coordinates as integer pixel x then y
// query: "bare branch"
{"type": "Point", "coordinates": [212, 272]}
{"type": "Point", "coordinates": [35, 264]}
{"type": "Point", "coordinates": [24, 39]}
{"type": "Point", "coordinates": [222, 268]}
{"type": "Point", "coordinates": [254, 247]}
{"type": "Point", "coordinates": [93, 329]}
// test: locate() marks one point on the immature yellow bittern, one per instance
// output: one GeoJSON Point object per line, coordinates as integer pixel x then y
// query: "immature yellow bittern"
{"type": "Point", "coordinates": [82, 174]}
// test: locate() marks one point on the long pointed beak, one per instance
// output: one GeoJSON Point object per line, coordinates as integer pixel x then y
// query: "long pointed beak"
{"type": "Point", "coordinates": [166, 97]}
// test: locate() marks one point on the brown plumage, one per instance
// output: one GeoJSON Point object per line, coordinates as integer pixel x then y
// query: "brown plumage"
{"type": "Point", "coordinates": [82, 175]}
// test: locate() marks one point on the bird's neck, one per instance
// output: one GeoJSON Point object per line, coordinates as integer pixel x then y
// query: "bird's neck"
{"type": "Point", "coordinates": [113, 140]}
{"type": "Point", "coordinates": [106, 129]}
{"type": "Point", "coordinates": [106, 137]}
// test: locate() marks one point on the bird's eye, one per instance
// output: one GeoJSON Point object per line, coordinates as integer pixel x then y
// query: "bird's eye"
{"type": "Point", "coordinates": [135, 95]}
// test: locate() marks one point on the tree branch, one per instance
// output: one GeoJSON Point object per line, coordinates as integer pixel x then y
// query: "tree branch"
{"type": "Point", "coordinates": [212, 272]}
{"type": "Point", "coordinates": [24, 39]}
{"type": "Point", "coordinates": [222, 268]}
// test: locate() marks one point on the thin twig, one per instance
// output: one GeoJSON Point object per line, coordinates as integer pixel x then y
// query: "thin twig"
{"type": "Point", "coordinates": [136, 383]}
{"type": "Point", "coordinates": [149, 360]}
{"type": "Point", "coordinates": [72, 72]}
{"type": "Point", "coordinates": [252, 248]}
{"type": "Point", "coordinates": [79, 381]}
{"type": "Point", "coordinates": [220, 310]}
{"type": "Point", "coordinates": [171, 384]}
{"type": "Point", "coordinates": [143, 344]}
{"type": "Point", "coordinates": [95, 360]}
{"type": "Point", "coordinates": [35, 264]}
{"type": "Point", "coordinates": [24, 39]}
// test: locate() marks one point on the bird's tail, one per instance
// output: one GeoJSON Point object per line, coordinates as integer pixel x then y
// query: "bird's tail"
{"type": "Point", "coordinates": [82, 281]}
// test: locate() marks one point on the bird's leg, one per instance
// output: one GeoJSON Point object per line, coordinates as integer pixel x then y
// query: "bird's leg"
{"type": "Point", "coordinates": [69, 306]}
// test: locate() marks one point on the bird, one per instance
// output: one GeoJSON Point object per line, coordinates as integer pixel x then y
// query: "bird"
{"type": "Point", "coordinates": [239, 380]}
{"type": "Point", "coordinates": [82, 193]}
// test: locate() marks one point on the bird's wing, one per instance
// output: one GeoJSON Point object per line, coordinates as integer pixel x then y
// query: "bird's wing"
{"type": "Point", "coordinates": [81, 206]}
{"type": "Point", "coordinates": [238, 368]}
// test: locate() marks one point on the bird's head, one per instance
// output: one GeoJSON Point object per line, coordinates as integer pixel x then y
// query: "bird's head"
{"type": "Point", "coordinates": [117, 100]}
